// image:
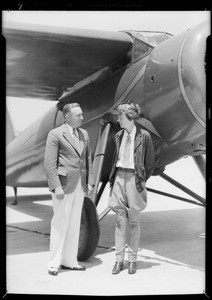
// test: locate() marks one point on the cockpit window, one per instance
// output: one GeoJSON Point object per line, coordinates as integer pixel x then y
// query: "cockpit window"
{"type": "Point", "coordinates": [140, 49]}
{"type": "Point", "coordinates": [145, 41]}
{"type": "Point", "coordinates": [153, 38]}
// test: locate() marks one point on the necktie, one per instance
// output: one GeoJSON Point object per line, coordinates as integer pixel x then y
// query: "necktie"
{"type": "Point", "coordinates": [126, 159]}
{"type": "Point", "coordinates": [75, 132]}
{"type": "Point", "coordinates": [76, 138]}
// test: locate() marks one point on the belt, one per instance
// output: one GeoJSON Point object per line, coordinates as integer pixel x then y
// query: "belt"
{"type": "Point", "coordinates": [125, 170]}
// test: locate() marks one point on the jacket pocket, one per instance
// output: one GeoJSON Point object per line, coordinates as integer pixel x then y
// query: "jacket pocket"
{"type": "Point", "coordinates": [62, 171]}
{"type": "Point", "coordinates": [142, 172]}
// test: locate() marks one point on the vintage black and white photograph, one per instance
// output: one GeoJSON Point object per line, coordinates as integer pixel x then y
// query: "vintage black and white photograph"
{"type": "Point", "coordinates": [106, 152]}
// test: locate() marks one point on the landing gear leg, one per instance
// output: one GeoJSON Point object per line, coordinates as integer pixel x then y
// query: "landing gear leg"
{"type": "Point", "coordinates": [98, 162]}
{"type": "Point", "coordinates": [90, 229]}
{"type": "Point", "coordinates": [15, 202]}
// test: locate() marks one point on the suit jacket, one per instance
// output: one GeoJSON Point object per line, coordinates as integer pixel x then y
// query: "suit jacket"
{"type": "Point", "coordinates": [64, 162]}
{"type": "Point", "coordinates": [144, 156]}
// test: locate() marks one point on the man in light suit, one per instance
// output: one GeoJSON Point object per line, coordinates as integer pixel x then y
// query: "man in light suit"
{"type": "Point", "coordinates": [133, 164]}
{"type": "Point", "coordinates": [69, 172]}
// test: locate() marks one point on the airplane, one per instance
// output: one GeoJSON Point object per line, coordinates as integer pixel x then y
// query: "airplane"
{"type": "Point", "coordinates": [164, 74]}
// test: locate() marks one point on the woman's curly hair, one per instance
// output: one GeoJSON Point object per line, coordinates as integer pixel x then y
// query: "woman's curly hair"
{"type": "Point", "coordinates": [132, 110]}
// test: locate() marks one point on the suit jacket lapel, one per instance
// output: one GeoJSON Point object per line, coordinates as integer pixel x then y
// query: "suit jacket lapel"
{"type": "Point", "coordinates": [69, 138]}
{"type": "Point", "coordinates": [137, 138]}
{"type": "Point", "coordinates": [119, 139]}
{"type": "Point", "coordinates": [81, 141]}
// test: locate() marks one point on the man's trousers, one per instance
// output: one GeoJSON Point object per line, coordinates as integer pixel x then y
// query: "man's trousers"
{"type": "Point", "coordinates": [65, 228]}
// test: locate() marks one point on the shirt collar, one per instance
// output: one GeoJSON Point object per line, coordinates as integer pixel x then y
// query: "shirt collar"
{"type": "Point", "coordinates": [132, 133]}
{"type": "Point", "coordinates": [70, 128]}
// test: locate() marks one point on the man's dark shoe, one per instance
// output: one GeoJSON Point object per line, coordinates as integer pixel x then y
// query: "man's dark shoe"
{"type": "Point", "coordinates": [132, 267]}
{"type": "Point", "coordinates": [53, 271]}
{"type": "Point", "coordinates": [78, 268]}
{"type": "Point", "coordinates": [117, 268]}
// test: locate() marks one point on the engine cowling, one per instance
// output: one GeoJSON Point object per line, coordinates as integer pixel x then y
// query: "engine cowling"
{"type": "Point", "coordinates": [175, 85]}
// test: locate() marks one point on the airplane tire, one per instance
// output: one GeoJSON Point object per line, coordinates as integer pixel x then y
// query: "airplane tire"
{"type": "Point", "coordinates": [89, 230]}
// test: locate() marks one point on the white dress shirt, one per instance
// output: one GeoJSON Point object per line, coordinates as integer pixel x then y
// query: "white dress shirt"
{"type": "Point", "coordinates": [71, 130]}
{"type": "Point", "coordinates": [121, 162]}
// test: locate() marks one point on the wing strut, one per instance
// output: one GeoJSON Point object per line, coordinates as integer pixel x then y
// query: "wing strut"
{"type": "Point", "coordinates": [174, 196]}
{"type": "Point", "coordinates": [184, 189]}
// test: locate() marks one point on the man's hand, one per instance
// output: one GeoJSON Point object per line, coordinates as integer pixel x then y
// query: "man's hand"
{"type": "Point", "coordinates": [59, 193]}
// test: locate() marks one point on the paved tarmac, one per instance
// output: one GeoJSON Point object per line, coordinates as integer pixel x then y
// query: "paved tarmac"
{"type": "Point", "coordinates": [171, 258]}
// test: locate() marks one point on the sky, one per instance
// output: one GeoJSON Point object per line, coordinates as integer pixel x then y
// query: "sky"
{"type": "Point", "coordinates": [173, 22]}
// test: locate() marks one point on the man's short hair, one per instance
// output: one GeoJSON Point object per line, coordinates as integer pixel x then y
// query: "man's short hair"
{"type": "Point", "coordinates": [132, 110]}
{"type": "Point", "coordinates": [67, 107]}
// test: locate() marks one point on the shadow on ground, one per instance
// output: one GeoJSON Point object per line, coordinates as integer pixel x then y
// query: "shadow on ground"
{"type": "Point", "coordinates": [174, 234]}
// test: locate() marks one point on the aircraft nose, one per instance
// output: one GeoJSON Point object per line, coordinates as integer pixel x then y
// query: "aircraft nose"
{"type": "Point", "coordinates": [192, 70]}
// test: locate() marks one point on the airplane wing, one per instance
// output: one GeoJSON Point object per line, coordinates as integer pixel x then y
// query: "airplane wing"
{"type": "Point", "coordinates": [42, 62]}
